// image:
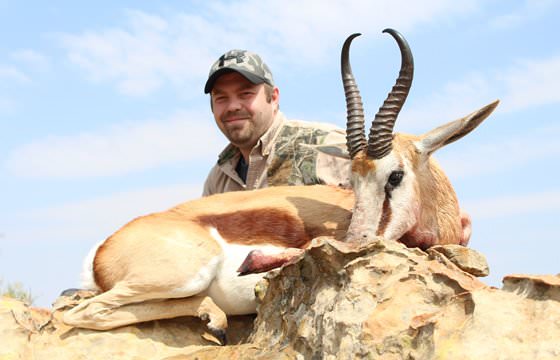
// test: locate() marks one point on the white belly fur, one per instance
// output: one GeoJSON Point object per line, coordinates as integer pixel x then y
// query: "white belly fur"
{"type": "Point", "coordinates": [235, 294]}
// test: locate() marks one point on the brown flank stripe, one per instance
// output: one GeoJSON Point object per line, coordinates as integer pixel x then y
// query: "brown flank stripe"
{"type": "Point", "coordinates": [259, 226]}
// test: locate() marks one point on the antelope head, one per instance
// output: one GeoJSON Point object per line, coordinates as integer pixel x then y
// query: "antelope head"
{"type": "Point", "coordinates": [400, 191]}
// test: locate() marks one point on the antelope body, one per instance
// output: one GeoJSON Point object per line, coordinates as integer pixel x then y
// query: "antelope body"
{"type": "Point", "coordinates": [185, 261]}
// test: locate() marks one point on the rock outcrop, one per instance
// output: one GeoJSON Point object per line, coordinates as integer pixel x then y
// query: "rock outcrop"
{"type": "Point", "coordinates": [336, 301]}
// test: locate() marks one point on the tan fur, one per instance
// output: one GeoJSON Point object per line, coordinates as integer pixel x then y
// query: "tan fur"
{"type": "Point", "coordinates": [361, 165]}
{"type": "Point", "coordinates": [315, 210]}
{"type": "Point", "coordinates": [439, 207]}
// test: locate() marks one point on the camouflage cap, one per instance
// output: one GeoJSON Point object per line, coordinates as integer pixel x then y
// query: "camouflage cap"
{"type": "Point", "coordinates": [248, 64]}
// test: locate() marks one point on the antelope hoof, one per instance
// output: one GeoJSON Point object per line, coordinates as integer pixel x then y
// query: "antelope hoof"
{"type": "Point", "coordinates": [219, 334]}
{"type": "Point", "coordinates": [215, 334]}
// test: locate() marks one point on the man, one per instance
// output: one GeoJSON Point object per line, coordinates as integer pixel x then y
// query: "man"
{"type": "Point", "coordinates": [265, 148]}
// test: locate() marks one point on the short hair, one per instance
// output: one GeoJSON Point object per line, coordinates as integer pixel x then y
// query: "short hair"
{"type": "Point", "coordinates": [268, 92]}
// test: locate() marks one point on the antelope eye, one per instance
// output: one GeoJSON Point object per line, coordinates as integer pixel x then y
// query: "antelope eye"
{"type": "Point", "coordinates": [395, 178]}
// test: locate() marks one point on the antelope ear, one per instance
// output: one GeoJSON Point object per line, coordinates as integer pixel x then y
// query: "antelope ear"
{"type": "Point", "coordinates": [336, 150]}
{"type": "Point", "coordinates": [450, 132]}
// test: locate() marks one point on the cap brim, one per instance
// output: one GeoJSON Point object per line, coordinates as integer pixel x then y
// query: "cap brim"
{"type": "Point", "coordinates": [246, 74]}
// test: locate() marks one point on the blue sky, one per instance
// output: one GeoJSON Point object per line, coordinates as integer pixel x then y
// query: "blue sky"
{"type": "Point", "coordinates": [103, 116]}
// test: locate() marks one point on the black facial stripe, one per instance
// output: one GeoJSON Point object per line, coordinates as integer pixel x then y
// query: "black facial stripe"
{"type": "Point", "coordinates": [386, 214]}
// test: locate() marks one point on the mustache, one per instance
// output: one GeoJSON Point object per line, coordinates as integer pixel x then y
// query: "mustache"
{"type": "Point", "coordinates": [235, 114]}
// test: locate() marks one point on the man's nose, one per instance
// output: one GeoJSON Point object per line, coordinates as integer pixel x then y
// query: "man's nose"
{"type": "Point", "coordinates": [234, 104]}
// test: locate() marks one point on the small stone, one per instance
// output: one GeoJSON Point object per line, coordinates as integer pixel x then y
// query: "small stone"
{"type": "Point", "coordinates": [465, 258]}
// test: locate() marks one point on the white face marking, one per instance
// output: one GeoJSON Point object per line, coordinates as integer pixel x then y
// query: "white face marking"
{"type": "Point", "coordinates": [235, 294]}
{"type": "Point", "coordinates": [371, 194]}
{"type": "Point", "coordinates": [404, 204]}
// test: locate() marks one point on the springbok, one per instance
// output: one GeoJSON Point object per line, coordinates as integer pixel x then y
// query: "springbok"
{"type": "Point", "coordinates": [185, 261]}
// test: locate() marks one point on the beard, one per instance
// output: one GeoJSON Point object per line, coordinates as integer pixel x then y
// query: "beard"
{"type": "Point", "coordinates": [238, 127]}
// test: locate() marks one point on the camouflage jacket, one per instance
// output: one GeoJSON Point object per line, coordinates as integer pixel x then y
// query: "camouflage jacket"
{"type": "Point", "coordinates": [281, 158]}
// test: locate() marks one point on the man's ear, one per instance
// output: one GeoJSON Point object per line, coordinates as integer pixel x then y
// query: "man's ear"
{"type": "Point", "coordinates": [336, 150]}
{"type": "Point", "coordinates": [450, 132]}
{"type": "Point", "coordinates": [275, 99]}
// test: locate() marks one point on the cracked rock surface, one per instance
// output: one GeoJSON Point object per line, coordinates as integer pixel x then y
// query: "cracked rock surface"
{"type": "Point", "coordinates": [336, 301]}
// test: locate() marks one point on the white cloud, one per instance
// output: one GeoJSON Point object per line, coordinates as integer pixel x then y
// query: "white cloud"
{"type": "Point", "coordinates": [95, 219]}
{"type": "Point", "coordinates": [146, 53]}
{"type": "Point", "coordinates": [32, 58]}
{"type": "Point", "coordinates": [503, 154]}
{"type": "Point", "coordinates": [456, 99]}
{"type": "Point", "coordinates": [305, 31]}
{"type": "Point", "coordinates": [11, 73]}
{"type": "Point", "coordinates": [506, 206]}
{"type": "Point", "coordinates": [531, 83]}
{"type": "Point", "coordinates": [527, 11]}
{"type": "Point", "coordinates": [520, 86]}
{"type": "Point", "coordinates": [151, 50]}
{"type": "Point", "coordinates": [118, 150]}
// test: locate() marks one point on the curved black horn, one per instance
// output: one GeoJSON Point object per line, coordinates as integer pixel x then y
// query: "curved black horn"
{"type": "Point", "coordinates": [381, 134]}
{"type": "Point", "coordinates": [355, 132]}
